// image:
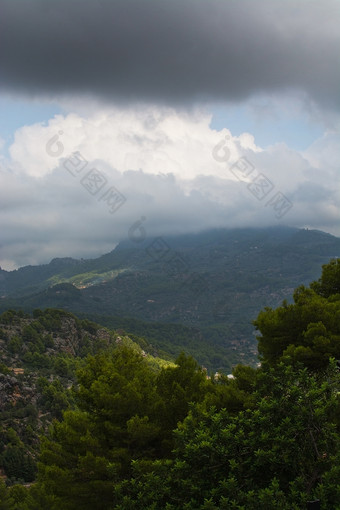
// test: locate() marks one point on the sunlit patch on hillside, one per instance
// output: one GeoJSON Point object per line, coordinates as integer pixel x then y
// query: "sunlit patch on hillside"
{"type": "Point", "coordinates": [84, 280]}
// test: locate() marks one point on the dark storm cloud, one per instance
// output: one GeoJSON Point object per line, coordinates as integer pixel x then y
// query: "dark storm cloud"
{"type": "Point", "coordinates": [170, 50]}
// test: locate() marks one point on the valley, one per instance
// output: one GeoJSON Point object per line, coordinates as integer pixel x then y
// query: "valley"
{"type": "Point", "coordinates": [197, 292]}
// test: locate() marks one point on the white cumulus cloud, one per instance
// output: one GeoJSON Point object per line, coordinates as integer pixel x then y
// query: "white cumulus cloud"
{"type": "Point", "coordinates": [171, 167]}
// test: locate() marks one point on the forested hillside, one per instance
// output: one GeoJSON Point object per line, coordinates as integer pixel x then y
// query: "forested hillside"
{"type": "Point", "coordinates": [141, 433]}
{"type": "Point", "coordinates": [200, 291]}
{"type": "Point", "coordinates": [40, 355]}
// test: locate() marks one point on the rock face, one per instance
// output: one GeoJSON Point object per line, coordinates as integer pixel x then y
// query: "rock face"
{"type": "Point", "coordinates": [61, 332]}
{"type": "Point", "coordinates": [8, 386]}
{"type": "Point", "coordinates": [38, 359]}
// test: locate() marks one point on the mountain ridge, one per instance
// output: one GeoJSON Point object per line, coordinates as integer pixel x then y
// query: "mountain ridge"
{"type": "Point", "coordinates": [212, 283]}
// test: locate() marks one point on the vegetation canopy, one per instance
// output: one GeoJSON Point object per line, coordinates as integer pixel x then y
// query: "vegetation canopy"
{"type": "Point", "coordinates": [129, 431]}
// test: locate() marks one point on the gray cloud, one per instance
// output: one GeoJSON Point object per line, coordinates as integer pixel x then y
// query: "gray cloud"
{"type": "Point", "coordinates": [171, 51]}
{"type": "Point", "coordinates": [56, 216]}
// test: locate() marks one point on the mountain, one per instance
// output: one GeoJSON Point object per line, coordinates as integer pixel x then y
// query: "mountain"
{"type": "Point", "coordinates": [199, 292]}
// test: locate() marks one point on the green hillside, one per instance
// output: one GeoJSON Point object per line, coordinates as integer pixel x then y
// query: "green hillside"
{"type": "Point", "coordinates": [206, 287]}
{"type": "Point", "coordinates": [132, 431]}
{"type": "Point", "coordinates": [39, 357]}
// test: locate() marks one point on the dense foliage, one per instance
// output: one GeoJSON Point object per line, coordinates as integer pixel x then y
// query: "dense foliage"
{"type": "Point", "coordinates": [146, 436]}
{"type": "Point", "coordinates": [307, 331]}
{"type": "Point", "coordinates": [40, 355]}
{"type": "Point", "coordinates": [281, 452]}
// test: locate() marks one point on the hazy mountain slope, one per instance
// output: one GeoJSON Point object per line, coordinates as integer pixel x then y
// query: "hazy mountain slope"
{"type": "Point", "coordinates": [215, 282]}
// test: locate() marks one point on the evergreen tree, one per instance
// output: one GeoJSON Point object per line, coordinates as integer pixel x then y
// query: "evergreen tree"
{"type": "Point", "coordinates": [308, 330]}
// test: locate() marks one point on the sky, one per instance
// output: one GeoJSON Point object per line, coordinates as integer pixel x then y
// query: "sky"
{"type": "Point", "coordinates": [170, 116]}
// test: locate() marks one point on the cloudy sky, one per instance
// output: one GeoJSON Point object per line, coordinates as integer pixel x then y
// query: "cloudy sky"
{"type": "Point", "coordinates": [174, 115]}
